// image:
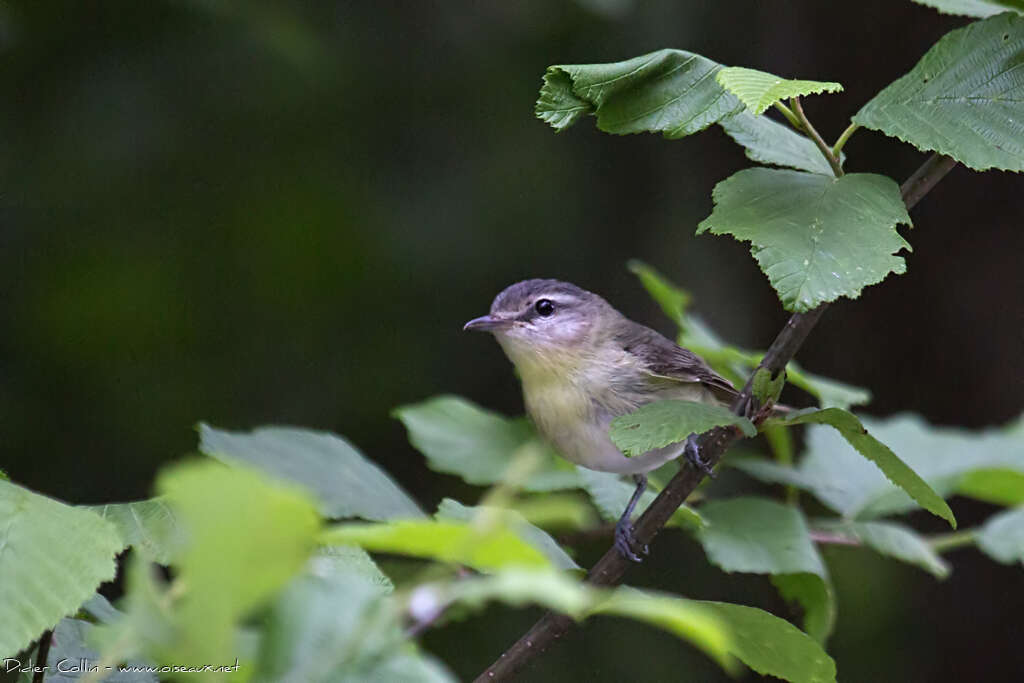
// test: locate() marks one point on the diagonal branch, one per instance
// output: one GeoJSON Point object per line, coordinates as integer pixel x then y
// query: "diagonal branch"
{"type": "Point", "coordinates": [609, 570]}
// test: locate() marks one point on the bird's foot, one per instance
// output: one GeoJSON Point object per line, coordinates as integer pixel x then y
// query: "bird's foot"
{"type": "Point", "coordinates": [693, 456]}
{"type": "Point", "coordinates": [625, 541]}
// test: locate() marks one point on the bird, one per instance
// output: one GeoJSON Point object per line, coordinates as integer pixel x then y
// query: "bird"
{"type": "Point", "coordinates": [582, 363]}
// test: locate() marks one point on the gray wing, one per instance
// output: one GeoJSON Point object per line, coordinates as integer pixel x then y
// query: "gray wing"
{"type": "Point", "coordinates": [665, 358]}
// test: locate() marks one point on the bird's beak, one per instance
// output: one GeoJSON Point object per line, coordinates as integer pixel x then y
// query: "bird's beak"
{"type": "Point", "coordinates": [486, 323]}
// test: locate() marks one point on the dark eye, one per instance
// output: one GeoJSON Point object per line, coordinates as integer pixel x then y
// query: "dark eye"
{"type": "Point", "coordinates": [544, 307]}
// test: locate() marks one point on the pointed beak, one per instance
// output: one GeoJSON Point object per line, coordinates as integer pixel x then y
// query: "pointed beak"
{"type": "Point", "coordinates": [486, 323]}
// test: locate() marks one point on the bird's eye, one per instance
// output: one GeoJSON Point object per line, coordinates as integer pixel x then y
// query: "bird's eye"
{"type": "Point", "coordinates": [544, 307]}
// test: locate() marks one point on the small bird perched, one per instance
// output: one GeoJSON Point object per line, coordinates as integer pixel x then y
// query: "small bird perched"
{"type": "Point", "coordinates": [582, 364]}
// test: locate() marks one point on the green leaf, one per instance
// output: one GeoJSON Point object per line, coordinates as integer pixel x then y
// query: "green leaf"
{"type": "Point", "coordinates": [897, 471]}
{"type": "Point", "coordinates": [248, 535]}
{"type": "Point", "coordinates": [661, 423]}
{"type": "Point", "coordinates": [815, 596]}
{"type": "Point", "coordinates": [1002, 486]}
{"type": "Point", "coordinates": [964, 99]}
{"type": "Point", "coordinates": [769, 142]}
{"type": "Point", "coordinates": [892, 540]}
{"type": "Point", "coordinates": [829, 392]}
{"type": "Point", "coordinates": [974, 8]}
{"type": "Point", "coordinates": [758, 536]}
{"type": "Point", "coordinates": [71, 657]}
{"type": "Point", "coordinates": [772, 646]}
{"type": "Point", "coordinates": [149, 526]}
{"type": "Point", "coordinates": [475, 546]}
{"type": "Point", "coordinates": [461, 438]}
{"type": "Point", "coordinates": [52, 558]}
{"type": "Point", "coordinates": [611, 495]}
{"type": "Point", "coordinates": [672, 299]}
{"type": "Point", "coordinates": [1001, 537]}
{"type": "Point", "coordinates": [513, 521]}
{"type": "Point", "coordinates": [816, 238]}
{"type": "Point", "coordinates": [345, 483]}
{"type": "Point", "coordinates": [766, 388]}
{"type": "Point", "coordinates": [759, 90]}
{"type": "Point", "coordinates": [669, 91]}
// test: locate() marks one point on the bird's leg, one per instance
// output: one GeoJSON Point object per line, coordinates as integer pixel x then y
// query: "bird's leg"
{"type": "Point", "coordinates": [693, 456]}
{"type": "Point", "coordinates": [624, 539]}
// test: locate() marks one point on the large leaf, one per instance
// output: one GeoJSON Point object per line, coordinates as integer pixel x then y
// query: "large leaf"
{"type": "Point", "coordinates": [481, 547]}
{"type": "Point", "coordinates": [344, 482]}
{"type": "Point", "coordinates": [149, 526]}
{"type": "Point", "coordinates": [897, 471]}
{"type": "Point", "coordinates": [964, 99]}
{"type": "Point", "coordinates": [611, 495]}
{"type": "Point", "coordinates": [893, 540]}
{"type": "Point", "coordinates": [1002, 536]}
{"type": "Point", "coordinates": [52, 558]}
{"type": "Point", "coordinates": [816, 238]}
{"type": "Point", "coordinates": [461, 438]}
{"type": "Point", "coordinates": [759, 90]}
{"type": "Point", "coordinates": [669, 91]}
{"type": "Point", "coordinates": [974, 8]}
{"type": "Point", "coordinates": [770, 142]}
{"type": "Point", "coordinates": [513, 521]}
{"type": "Point", "coordinates": [662, 423]}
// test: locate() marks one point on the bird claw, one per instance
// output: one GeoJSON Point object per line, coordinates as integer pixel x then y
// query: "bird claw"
{"type": "Point", "coordinates": [625, 541]}
{"type": "Point", "coordinates": [693, 456]}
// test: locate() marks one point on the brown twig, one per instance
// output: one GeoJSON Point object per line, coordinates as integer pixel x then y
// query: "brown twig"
{"type": "Point", "coordinates": [610, 569]}
{"type": "Point", "coordinates": [42, 654]}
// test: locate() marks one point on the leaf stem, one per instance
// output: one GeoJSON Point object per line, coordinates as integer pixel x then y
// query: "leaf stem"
{"type": "Point", "coordinates": [952, 540]}
{"type": "Point", "coordinates": [42, 654]}
{"type": "Point", "coordinates": [841, 142]}
{"type": "Point", "coordinates": [813, 134]}
{"type": "Point", "coordinates": [790, 116]}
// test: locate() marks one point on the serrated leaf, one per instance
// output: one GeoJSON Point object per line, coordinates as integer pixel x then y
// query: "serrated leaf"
{"type": "Point", "coordinates": [758, 536]}
{"type": "Point", "coordinates": [772, 646]}
{"type": "Point", "coordinates": [669, 91]}
{"type": "Point", "coordinates": [446, 541]}
{"type": "Point", "coordinates": [345, 483]}
{"type": "Point", "coordinates": [974, 8]}
{"type": "Point", "coordinates": [662, 423]}
{"type": "Point", "coordinates": [964, 99]}
{"type": "Point", "coordinates": [1001, 537]}
{"type": "Point", "coordinates": [513, 521]}
{"type": "Point", "coordinates": [52, 558]}
{"type": "Point", "coordinates": [459, 437]}
{"type": "Point", "coordinates": [611, 495]}
{"type": "Point", "coordinates": [149, 526]}
{"type": "Point", "coordinates": [759, 90]}
{"type": "Point", "coordinates": [897, 471]}
{"type": "Point", "coordinates": [815, 596]}
{"type": "Point", "coordinates": [769, 142]}
{"type": "Point", "coordinates": [816, 238]}
{"type": "Point", "coordinates": [892, 540]}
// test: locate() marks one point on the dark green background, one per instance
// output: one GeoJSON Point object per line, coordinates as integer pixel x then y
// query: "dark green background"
{"type": "Point", "coordinates": [261, 212]}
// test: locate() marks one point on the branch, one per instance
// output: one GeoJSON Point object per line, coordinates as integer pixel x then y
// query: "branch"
{"type": "Point", "coordinates": [42, 655]}
{"type": "Point", "coordinates": [826, 151]}
{"type": "Point", "coordinates": [610, 569]}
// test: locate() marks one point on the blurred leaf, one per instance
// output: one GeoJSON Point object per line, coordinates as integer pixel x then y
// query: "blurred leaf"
{"type": "Point", "coordinates": [772, 646]}
{"type": "Point", "coordinates": [895, 469]}
{"type": "Point", "coordinates": [149, 526]}
{"type": "Point", "coordinates": [52, 558]}
{"type": "Point", "coordinates": [344, 482]}
{"type": "Point", "coordinates": [668, 91]}
{"type": "Point", "coordinates": [893, 540]}
{"type": "Point", "coordinates": [974, 8]}
{"type": "Point", "coordinates": [829, 392]}
{"type": "Point", "coordinates": [446, 541]}
{"type": "Point", "coordinates": [759, 536]}
{"type": "Point", "coordinates": [840, 478]}
{"type": "Point", "coordinates": [352, 561]}
{"type": "Point", "coordinates": [513, 521]}
{"type": "Point", "coordinates": [556, 511]}
{"type": "Point", "coordinates": [1001, 486]}
{"type": "Point", "coordinates": [248, 535]}
{"type": "Point", "coordinates": [759, 90]}
{"type": "Point", "coordinates": [70, 657]}
{"type": "Point", "coordinates": [815, 596]}
{"type": "Point", "coordinates": [769, 142]}
{"type": "Point", "coordinates": [672, 299]}
{"type": "Point", "coordinates": [964, 99]}
{"type": "Point", "coordinates": [1001, 537]}
{"type": "Point", "coordinates": [611, 495]}
{"type": "Point", "coordinates": [661, 423]}
{"type": "Point", "coordinates": [461, 438]}
{"type": "Point", "coordinates": [816, 238]}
